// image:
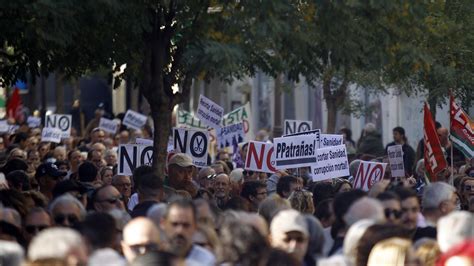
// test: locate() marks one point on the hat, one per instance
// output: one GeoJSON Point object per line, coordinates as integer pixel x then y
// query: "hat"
{"type": "Point", "coordinates": [49, 169]}
{"type": "Point", "coordinates": [288, 221]}
{"type": "Point", "coordinates": [181, 159]}
{"type": "Point", "coordinates": [68, 186]}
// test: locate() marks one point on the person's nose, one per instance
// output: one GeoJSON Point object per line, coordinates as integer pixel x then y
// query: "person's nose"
{"type": "Point", "coordinates": [292, 246]}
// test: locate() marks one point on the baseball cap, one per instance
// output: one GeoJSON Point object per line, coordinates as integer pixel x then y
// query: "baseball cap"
{"type": "Point", "coordinates": [49, 169]}
{"type": "Point", "coordinates": [289, 221]}
{"type": "Point", "coordinates": [181, 159]}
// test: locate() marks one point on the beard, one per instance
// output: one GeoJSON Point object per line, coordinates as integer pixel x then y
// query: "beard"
{"type": "Point", "coordinates": [179, 245]}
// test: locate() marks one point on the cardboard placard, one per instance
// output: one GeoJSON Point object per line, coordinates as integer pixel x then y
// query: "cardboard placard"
{"type": "Point", "coordinates": [332, 163]}
{"type": "Point", "coordinates": [230, 135]}
{"type": "Point", "coordinates": [368, 174]}
{"type": "Point", "coordinates": [260, 157]}
{"type": "Point", "coordinates": [108, 125]}
{"type": "Point", "coordinates": [33, 121]}
{"type": "Point", "coordinates": [134, 120]}
{"type": "Point", "coordinates": [192, 142]}
{"type": "Point", "coordinates": [61, 122]}
{"type": "Point", "coordinates": [50, 134]}
{"type": "Point", "coordinates": [295, 151]}
{"type": "Point", "coordinates": [209, 112]}
{"type": "Point", "coordinates": [297, 126]}
{"type": "Point", "coordinates": [131, 156]}
{"type": "Point", "coordinates": [395, 158]}
{"type": "Point", "coordinates": [328, 140]}
{"type": "Point", "coordinates": [241, 114]}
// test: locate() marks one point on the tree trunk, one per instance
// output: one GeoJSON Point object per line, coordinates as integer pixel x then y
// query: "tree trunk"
{"type": "Point", "coordinates": [277, 119]}
{"type": "Point", "coordinates": [59, 93]}
{"type": "Point", "coordinates": [332, 115]}
{"type": "Point", "coordinates": [161, 115]}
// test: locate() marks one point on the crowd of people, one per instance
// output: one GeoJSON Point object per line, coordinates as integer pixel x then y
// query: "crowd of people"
{"type": "Point", "coordinates": [65, 204]}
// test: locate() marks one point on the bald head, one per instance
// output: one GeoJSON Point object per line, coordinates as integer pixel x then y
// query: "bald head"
{"type": "Point", "coordinates": [138, 235]}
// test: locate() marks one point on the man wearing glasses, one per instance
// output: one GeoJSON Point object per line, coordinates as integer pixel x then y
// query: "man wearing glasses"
{"type": "Point", "coordinates": [107, 198]}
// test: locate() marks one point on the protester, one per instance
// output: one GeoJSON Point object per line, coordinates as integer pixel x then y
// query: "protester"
{"type": "Point", "coordinates": [72, 203]}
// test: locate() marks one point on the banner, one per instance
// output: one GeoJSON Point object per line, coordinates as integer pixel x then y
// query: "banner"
{"type": "Point", "coordinates": [192, 142]}
{"type": "Point", "coordinates": [328, 140]}
{"type": "Point", "coordinates": [142, 141]}
{"type": "Point", "coordinates": [462, 129]}
{"type": "Point", "coordinates": [297, 126]}
{"type": "Point", "coordinates": [108, 125]}
{"type": "Point", "coordinates": [134, 120]}
{"type": "Point", "coordinates": [209, 112]}
{"type": "Point", "coordinates": [241, 114]}
{"type": "Point", "coordinates": [50, 134]}
{"type": "Point", "coordinates": [188, 120]}
{"type": "Point", "coordinates": [260, 157]}
{"type": "Point", "coordinates": [33, 121]}
{"type": "Point", "coordinates": [61, 122]}
{"type": "Point", "coordinates": [368, 174]}
{"type": "Point", "coordinates": [295, 151]}
{"type": "Point", "coordinates": [331, 163]}
{"type": "Point", "coordinates": [230, 135]}
{"type": "Point", "coordinates": [435, 162]}
{"type": "Point", "coordinates": [395, 158]}
{"type": "Point", "coordinates": [131, 156]}
{"type": "Point", "coordinates": [4, 126]}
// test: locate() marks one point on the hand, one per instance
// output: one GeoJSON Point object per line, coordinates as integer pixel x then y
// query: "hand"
{"type": "Point", "coordinates": [378, 188]}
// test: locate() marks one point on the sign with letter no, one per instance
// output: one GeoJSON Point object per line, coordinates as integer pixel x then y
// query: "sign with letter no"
{"type": "Point", "coordinates": [368, 174]}
{"type": "Point", "coordinates": [192, 142]}
{"type": "Point", "coordinates": [131, 156]}
{"type": "Point", "coordinates": [260, 157]}
{"type": "Point", "coordinates": [61, 122]}
{"type": "Point", "coordinates": [297, 126]}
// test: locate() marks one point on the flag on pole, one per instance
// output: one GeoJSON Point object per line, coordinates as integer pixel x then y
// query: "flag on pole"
{"type": "Point", "coordinates": [435, 162]}
{"type": "Point", "coordinates": [461, 128]}
{"type": "Point", "coordinates": [14, 104]}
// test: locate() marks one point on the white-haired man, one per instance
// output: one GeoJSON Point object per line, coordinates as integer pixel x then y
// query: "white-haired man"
{"type": "Point", "coordinates": [439, 199]}
{"type": "Point", "coordinates": [455, 228]}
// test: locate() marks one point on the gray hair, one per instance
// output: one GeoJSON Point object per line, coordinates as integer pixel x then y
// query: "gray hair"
{"type": "Point", "coordinates": [435, 193]}
{"type": "Point", "coordinates": [351, 241]}
{"type": "Point", "coordinates": [454, 228]}
{"type": "Point", "coordinates": [156, 212]}
{"type": "Point", "coordinates": [369, 128]}
{"type": "Point", "coordinates": [116, 177]}
{"type": "Point", "coordinates": [54, 243]}
{"type": "Point", "coordinates": [365, 208]}
{"type": "Point", "coordinates": [11, 253]}
{"type": "Point", "coordinates": [66, 199]}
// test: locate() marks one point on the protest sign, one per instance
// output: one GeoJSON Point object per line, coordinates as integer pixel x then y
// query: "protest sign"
{"type": "Point", "coordinates": [297, 126]}
{"type": "Point", "coordinates": [368, 174]}
{"type": "Point", "coordinates": [209, 112]}
{"type": "Point", "coordinates": [331, 163]}
{"type": "Point", "coordinates": [260, 157]}
{"type": "Point", "coordinates": [188, 120]}
{"type": "Point", "coordinates": [328, 140]}
{"type": "Point", "coordinates": [61, 122]}
{"type": "Point", "coordinates": [33, 121]}
{"type": "Point", "coordinates": [51, 134]}
{"type": "Point", "coordinates": [295, 151]}
{"type": "Point", "coordinates": [142, 141]}
{"type": "Point", "coordinates": [395, 158]}
{"type": "Point", "coordinates": [230, 135]}
{"type": "Point", "coordinates": [192, 142]}
{"type": "Point", "coordinates": [4, 126]}
{"type": "Point", "coordinates": [134, 120]}
{"type": "Point", "coordinates": [241, 114]}
{"type": "Point", "coordinates": [131, 156]}
{"type": "Point", "coordinates": [108, 125]}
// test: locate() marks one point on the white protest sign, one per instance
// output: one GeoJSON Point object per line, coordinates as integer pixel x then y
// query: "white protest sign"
{"type": "Point", "coordinates": [368, 174]}
{"type": "Point", "coordinates": [187, 119]}
{"type": "Point", "coordinates": [61, 122]}
{"type": "Point", "coordinates": [395, 158]}
{"type": "Point", "coordinates": [230, 135]}
{"type": "Point", "coordinates": [33, 121]}
{"type": "Point", "coordinates": [192, 142]}
{"type": "Point", "coordinates": [51, 134]}
{"type": "Point", "coordinates": [209, 112]}
{"type": "Point", "coordinates": [315, 132]}
{"type": "Point", "coordinates": [241, 114]}
{"type": "Point", "coordinates": [260, 157]}
{"type": "Point", "coordinates": [332, 163]}
{"type": "Point", "coordinates": [108, 125]}
{"type": "Point", "coordinates": [295, 151]}
{"type": "Point", "coordinates": [297, 126]}
{"type": "Point", "coordinates": [142, 141]}
{"type": "Point", "coordinates": [134, 120]}
{"type": "Point", "coordinates": [4, 126]}
{"type": "Point", "coordinates": [328, 140]}
{"type": "Point", "coordinates": [131, 156]}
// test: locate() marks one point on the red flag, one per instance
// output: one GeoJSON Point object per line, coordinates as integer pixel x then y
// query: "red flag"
{"type": "Point", "coordinates": [14, 104]}
{"type": "Point", "coordinates": [462, 129]}
{"type": "Point", "coordinates": [435, 162]}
